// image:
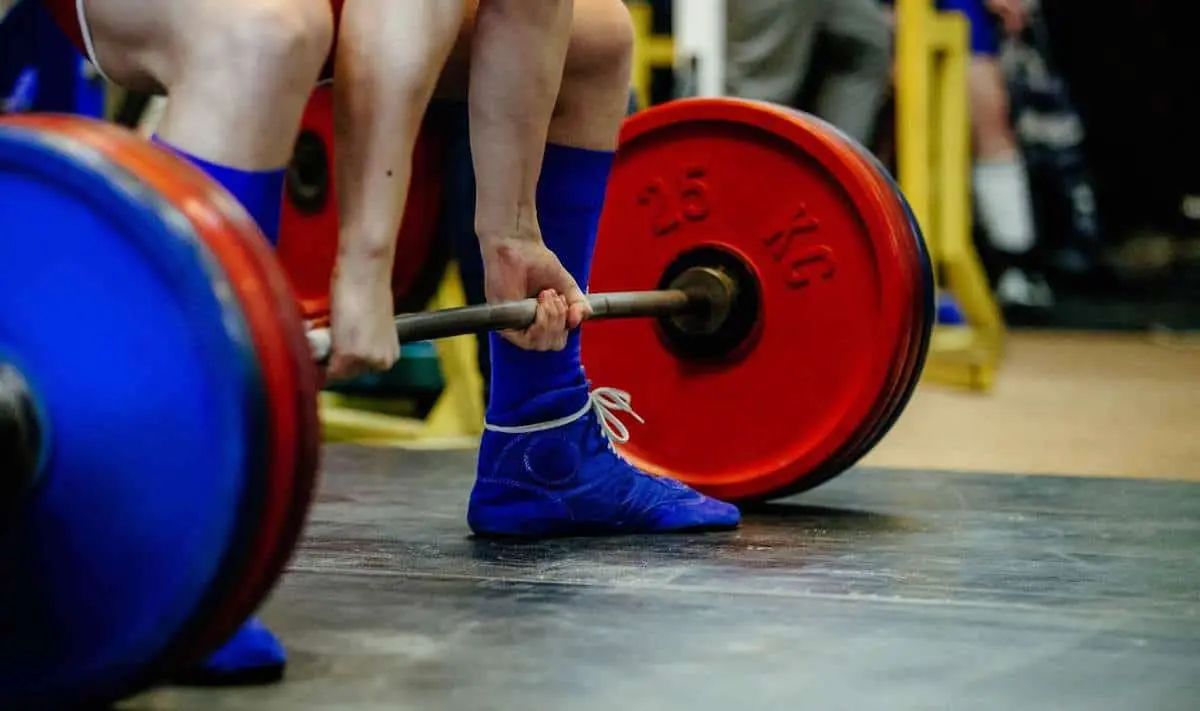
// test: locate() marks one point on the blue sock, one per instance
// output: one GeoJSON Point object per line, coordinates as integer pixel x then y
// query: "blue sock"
{"type": "Point", "coordinates": [570, 198]}
{"type": "Point", "coordinates": [260, 192]}
{"type": "Point", "coordinates": [568, 479]}
{"type": "Point", "coordinates": [253, 656]}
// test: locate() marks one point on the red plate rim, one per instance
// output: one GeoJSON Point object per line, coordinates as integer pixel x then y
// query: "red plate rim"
{"type": "Point", "coordinates": [864, 194]}
{"type": "Point", "coordinates": [276, 320]}
{"type": "Point", "coordinates": [902, 360]}
{"type": "Point", "coordinates": [130, 151]}
{"type": "Point", "coordinates": [106, 143]}
{"type": "Point", "coordinates": [278, 333]}
{"type": "Point", "coordinates": [906, 361]}
{"type": "Point", "coordinates": [900, 233]}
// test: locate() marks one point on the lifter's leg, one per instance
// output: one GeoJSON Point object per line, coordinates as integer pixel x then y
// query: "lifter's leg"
{"type": "Point", "coordinates": [537, 476]}
{"type": "Point", "coordinates": [238, 74]}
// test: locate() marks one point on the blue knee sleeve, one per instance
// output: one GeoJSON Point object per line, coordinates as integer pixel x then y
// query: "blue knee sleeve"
{"type": "Point", "coordinates": [570, 199]}
{"type": "Point", "coordinates": [260, 192]}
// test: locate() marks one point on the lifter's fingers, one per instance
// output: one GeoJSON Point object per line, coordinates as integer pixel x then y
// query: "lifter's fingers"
{"type": "Point", "coordinates": [533, 338]}
{"type": "Point", "coordinates": [521, 339]}
{"type": "Point", "coordinates": [540, 333]}
{"type": "Point", "coordinates": [343, 368]}
{"type": "Point", "coordinates": [561, 342]}
{"type": "Point", "coordinates": [554, 321]}
{"type": "Point", "coordinates": [556, 312]}
{"type": "Point", "coordinates": [577, 313]}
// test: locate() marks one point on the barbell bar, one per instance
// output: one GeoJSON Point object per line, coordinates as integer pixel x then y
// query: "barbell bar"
{"type": "Point", "coordinates": [699, 301]}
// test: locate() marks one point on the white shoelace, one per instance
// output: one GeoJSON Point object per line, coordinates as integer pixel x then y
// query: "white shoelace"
{"type": "Point", "coordinates": [605, 402]}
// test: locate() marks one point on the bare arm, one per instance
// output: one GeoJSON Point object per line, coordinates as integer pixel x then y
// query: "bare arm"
{"type": "Point", "coordinates": [518, 54]}
{"type": "Point", "coordinates": [389, 56]}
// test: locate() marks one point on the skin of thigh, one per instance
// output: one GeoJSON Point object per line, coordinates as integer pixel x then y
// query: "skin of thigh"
{"type": "Point", "coordinates": [596, 24]}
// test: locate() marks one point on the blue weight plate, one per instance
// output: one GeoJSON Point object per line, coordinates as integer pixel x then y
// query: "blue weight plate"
{"type": "Point", "coordinates": [144, 369]}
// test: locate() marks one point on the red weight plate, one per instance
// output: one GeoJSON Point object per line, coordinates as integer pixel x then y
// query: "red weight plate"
{"type": "Point", "coordinates": [309, 224]}
{"type": "Point", "coordinates": [898, 231]}
{"type": "Point", "coordinates": [291, 376]}
{"type": "Point", "coordinates": [281, 341]}
{"type": "Point", "coordinates": [907, 365]}
{"type": "Point", "coordinates": [925, 315]}
{"type": "Point", "coordinates": [924, 307]}
{"type": "Point", "coordinates": [292, 499]}
{"type": "Point", "coordinates": [904, 361]}
{"type": "Point", "coordinates": [756, 182]}
{"type": "Point", "coordinates": [910, 365]}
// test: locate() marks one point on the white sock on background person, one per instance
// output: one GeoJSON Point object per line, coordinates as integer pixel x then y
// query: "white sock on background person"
{"type": "Point", "coordinates": [1005, 209]}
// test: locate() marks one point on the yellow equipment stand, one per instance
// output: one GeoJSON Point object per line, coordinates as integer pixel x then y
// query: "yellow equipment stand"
{"type": "Point", "coordinates": [933, 145]}
{"type": "Point", "coordinates": [650, 51]}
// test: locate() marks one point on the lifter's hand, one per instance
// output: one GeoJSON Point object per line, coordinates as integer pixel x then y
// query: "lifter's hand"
{"type": "Point", "coordinates": [1012, 14]}
{"type": "Point", "coordinates": [364, 335]}
{"type": "Point", "coordinates": [519, 268]}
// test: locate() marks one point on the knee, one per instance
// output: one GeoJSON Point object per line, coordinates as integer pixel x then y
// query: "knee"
{"type": "Point", "coordinates": [601, 51]}
{"type": "Point", "coordinates": [285, 41]}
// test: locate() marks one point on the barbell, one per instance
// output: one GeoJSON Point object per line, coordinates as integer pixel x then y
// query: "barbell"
{"type": "Point", "coordinates": [159, 434]}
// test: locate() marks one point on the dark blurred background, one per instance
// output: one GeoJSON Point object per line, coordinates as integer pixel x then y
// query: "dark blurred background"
{"type": "Point", "coordinates": [1129, 70]}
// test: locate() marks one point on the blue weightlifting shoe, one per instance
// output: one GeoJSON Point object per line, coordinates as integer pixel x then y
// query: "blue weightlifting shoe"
{"type": "Point", "coordinates": [562, 477]}
{"type": "Point", "coordinates": [254, 656]}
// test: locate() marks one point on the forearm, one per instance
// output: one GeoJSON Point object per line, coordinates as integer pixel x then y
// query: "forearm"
{"type": "Point", "coordinates": [518, 54]}
{"type": "Point", "coordinates": [388, 59]}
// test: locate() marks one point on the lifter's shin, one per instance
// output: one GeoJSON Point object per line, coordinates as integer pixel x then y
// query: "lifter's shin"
{"type": "Point", "coordinates": [238, 124]}
{"type": "Point", "coordinates": [570, 198]}
{"type": "Point", "coordinates": [518, 57]}
{"type": "Point", "coordinates": [588, 96]}
{"type": "Point", "coordinates": [546, 466]}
